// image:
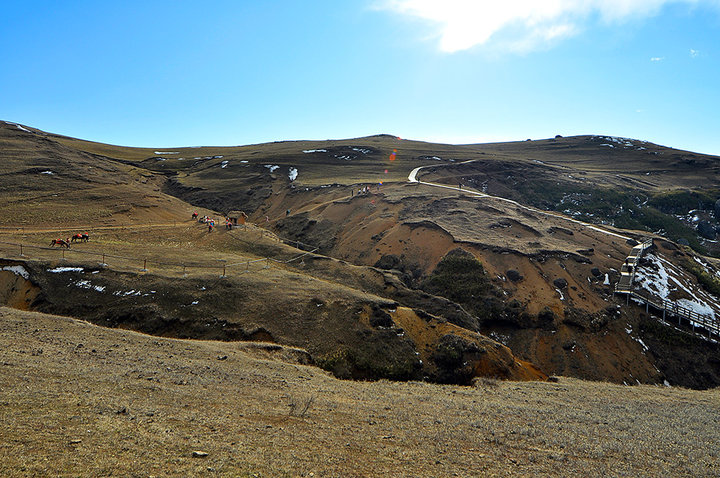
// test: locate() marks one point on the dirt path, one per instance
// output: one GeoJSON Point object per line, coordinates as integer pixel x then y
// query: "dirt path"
{"type": "Point", "coordinates": [412, 177]}
{"type": "Point", "coordinates": [42, 230]}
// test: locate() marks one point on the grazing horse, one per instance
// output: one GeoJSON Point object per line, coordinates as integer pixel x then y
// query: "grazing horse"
{"type": "Point", "coordinates": [61, 243]}
{"type": "Point", "coordinates": [84, 237]}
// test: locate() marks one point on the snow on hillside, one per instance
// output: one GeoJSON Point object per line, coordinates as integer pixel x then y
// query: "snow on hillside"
{"type": "Point", "coordinates": [17, 270]}
{"type": "Point", "coordinates": [271, 167]}
{"type": "Point", "coordinates": [619, 141]}
{"type": "Point", "coordinates": [18, 126]}
{"type": "Point", "coordinates": [663, 279]}
{"type": "Point", "coordinates": [293, 174]}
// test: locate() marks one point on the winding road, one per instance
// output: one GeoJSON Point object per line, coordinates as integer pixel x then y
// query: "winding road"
{"type": "Point", "coordinates": [412, 177]}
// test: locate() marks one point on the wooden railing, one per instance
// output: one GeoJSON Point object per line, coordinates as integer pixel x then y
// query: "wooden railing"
{"type": "Point", "coordinates": [667, 307]}
{"type": "Point", "coordinates": [672, 308]}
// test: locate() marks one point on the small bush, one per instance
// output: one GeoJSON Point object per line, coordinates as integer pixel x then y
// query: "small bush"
{"type": "Point", "coordinates": [299, 406]}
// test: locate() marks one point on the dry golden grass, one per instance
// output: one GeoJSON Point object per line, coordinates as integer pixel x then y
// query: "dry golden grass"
{"type": "Point", "coordinates": [79, 400]}
{"type": "Point", "coordinates": [166, 247]}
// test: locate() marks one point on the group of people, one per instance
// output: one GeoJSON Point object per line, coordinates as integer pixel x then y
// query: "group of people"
{"type": "Point", "coordinates": [363, 190]}
{"type": "Point", "coordinates": [211, 221]}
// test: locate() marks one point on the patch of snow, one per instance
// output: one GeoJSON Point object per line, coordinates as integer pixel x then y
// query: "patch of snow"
{"type": "Point", "coordinates": [605, 144]}
{"type": "Point", "coordinates": [244, 161]}
{"type": "Point", "coordinates": [18, 270]}
{"type": "Point", "coordinates": [538, 161]}
{"type": "Point", "coordinates": [224, 164]}
{"type": "Point", "coordinates": [195, 302]}
{"type": "Point", "coordinates": [65, 269]}
{"type": "Point", "coordinates": [167, 152]}
{"type": "Point", "coordinates": [271, 167]}
{"type": "Point", "coordinates": [363, 151]}
{"type": "Point", "coordinates": [309, 151]}
{"type": "Point", "coordinates": [18, 126]}
{"type": "Point", "coordinates": [293, 174]}
{"type": "Point", "coordinates": [503, 339]}
{"type": "Point", "coordinates": [626, 142]}
{"type": "Point", "coordinates": [217, 157]}
{"type": "Point", "coordinates": [160, 159]}
{"type": "Point", "coordinates": [607, 280]}
{"type": "Point", "coordinates": [666, 383]}
{"type": "Point", "coordinates": [47, 172]}
{"type": "Point", "coordinates": [662, 278]}
{"type": "Point", "coordinates": [645, 347]}
{"type": "Point", "coordinates": [125, 294]}
{"type": "Point", "coordinates": [85, 284]}
{"type": "Point", "coordinates": [700, 308]}
{"type": "Point", "coordinates": [562, 297]}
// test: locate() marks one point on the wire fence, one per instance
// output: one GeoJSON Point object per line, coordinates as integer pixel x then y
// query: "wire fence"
{"type": "Point", "coordinates": [145, 263]}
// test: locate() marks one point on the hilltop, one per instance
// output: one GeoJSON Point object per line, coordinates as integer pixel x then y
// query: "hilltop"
{"type": "Point", "coordinates": [373, 275]}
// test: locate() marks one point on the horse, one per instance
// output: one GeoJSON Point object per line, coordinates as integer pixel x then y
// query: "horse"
{"type": "Point", "coordinates": [76, 237]}
{"type": "Point", "coordinates": [84, 237]}
{"type": "Point", "coordinates": [194, 215]}
{"type": "Point", "coordinates": [61, 243]}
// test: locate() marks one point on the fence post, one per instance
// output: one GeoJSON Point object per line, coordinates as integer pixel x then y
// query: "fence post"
{"type": "Point", "coordinates": [21, 251]}
{"type": "Point", "coordinates": [103, 260]}
{"type": "Point", "coordinates": [184, 274]}
{"type": "Point", "coordinates": [144, 269]}
{"type": "Point", "coordinates": [63, 254]}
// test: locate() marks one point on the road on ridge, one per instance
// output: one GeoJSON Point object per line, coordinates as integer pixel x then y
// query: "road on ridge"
{"type": "Point", "coordinates": [412, 177]}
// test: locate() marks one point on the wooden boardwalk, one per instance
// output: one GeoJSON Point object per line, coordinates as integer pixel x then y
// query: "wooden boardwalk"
{"type": "Point", "coordinates": [668, 308]}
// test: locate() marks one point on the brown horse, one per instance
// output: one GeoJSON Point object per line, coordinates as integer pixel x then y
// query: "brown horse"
{"type": "Point", "coordinates": [61, 243]}
{"type": "Point", "coordinates": [84, 237]}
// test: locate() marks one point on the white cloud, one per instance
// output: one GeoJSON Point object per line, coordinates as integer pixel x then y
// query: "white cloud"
{"type": "Point", "coordinates": [694, 53]}
{"type": "Point", "coordinates": [657, 58]}
{"type": "Point", "coordinates": [520, 25]}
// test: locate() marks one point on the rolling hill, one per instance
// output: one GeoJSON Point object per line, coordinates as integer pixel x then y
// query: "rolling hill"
{"type": "Point", "coordinates": [508, 271]}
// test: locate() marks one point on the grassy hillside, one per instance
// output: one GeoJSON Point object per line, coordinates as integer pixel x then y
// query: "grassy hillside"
{"type": "Point", "coordinates": [546, 297]}
{"type": "Point", "coordinates": [79, 400]}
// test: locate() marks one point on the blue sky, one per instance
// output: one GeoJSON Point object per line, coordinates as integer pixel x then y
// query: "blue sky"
{"type": "Point", "coordinates": [180, 73]}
